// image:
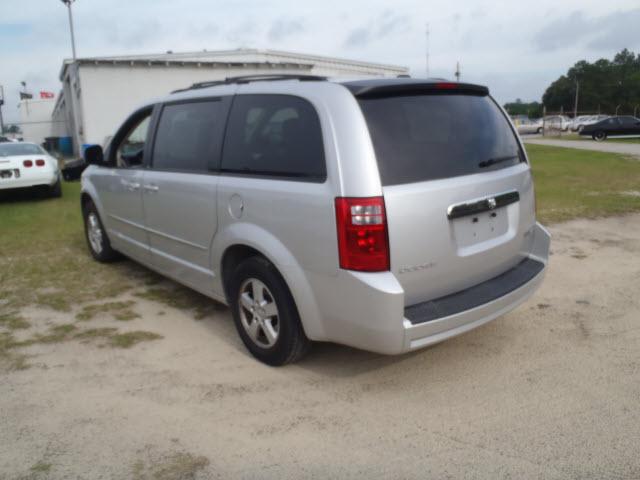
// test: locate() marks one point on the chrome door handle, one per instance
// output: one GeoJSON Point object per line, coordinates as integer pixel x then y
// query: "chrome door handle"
{"type": "Point", "coordinates": [131, 186]}
{"type": "Point", "coordinates": [151, 188]}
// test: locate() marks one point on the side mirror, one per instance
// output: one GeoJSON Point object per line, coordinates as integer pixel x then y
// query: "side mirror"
{"type": "Point", "coordinates": [93, 155]}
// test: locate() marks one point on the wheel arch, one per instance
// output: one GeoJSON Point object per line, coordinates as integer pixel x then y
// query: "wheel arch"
{"type": "Point", "coordinates": [88, 193]}
{"type": "Point", "coordinates": [240, 241]}
{"type": "Point", "coordinates": [85, 199]}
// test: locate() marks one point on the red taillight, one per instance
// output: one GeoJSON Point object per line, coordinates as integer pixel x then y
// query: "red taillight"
{"type": "Point", "coordinates": [27, 163]}
{"type": "Point", "coordinates": [40, 163]}
{"type": "Point", "coordinates": [363, 242]}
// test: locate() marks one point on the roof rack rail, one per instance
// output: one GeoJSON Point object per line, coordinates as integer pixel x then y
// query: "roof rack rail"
{"type": "Point", "coordinates": [266, 77]}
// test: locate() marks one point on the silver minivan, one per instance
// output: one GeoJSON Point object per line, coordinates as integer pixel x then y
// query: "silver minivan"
{"type": "Point", "coordinates": [385, 214]}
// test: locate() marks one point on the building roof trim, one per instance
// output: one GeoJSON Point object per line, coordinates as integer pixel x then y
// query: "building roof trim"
{"type": "Point", "coordinates": [191, 58]}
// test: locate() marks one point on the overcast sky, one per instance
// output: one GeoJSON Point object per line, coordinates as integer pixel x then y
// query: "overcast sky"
{"type": "Point", "coordinates": [515, 47]}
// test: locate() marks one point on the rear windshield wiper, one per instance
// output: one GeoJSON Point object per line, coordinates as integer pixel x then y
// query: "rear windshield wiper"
{"type": "Point", "coordinates": [493, 161]}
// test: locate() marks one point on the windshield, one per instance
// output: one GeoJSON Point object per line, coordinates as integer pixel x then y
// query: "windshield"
{"type": "Point", "coordinates": [427, 137]}
{"type": "Point", "coordinates": [8, 149]}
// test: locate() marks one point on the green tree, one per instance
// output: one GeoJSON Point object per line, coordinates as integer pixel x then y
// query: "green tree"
{"type": "Point", "coordinates": [603, 85]}
{"type": "Point", "coordinates": [531, 110]}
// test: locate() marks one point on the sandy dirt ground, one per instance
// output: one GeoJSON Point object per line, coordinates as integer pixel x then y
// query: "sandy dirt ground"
{"type": "Point", "coordinates": [551, 390]}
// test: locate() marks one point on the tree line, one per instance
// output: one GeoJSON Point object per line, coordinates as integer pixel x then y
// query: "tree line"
{"type": "Point", "coordinates": [603, 86]}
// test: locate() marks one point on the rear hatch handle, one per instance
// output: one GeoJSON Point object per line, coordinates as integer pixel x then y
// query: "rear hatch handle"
{"type": "Point", "coordinates": [483, 205]}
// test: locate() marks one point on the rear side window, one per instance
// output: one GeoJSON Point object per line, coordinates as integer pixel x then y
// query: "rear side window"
{"type": "Point", "coordinates": [276, 135]}
{"type": "Point", "coordinates": [428, 137]}
{"type": "Point", "coordinates": [189, 136]}
{"type": "Point", "coordinates": [628, 120]}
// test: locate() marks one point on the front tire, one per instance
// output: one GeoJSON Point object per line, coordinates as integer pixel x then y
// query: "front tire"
{"type": "Point", "coordinates": [265, 313]}
{"type": "Point", "coordinates": [599, 136]}
{"type": "Point", "coordinates": [96, 236]}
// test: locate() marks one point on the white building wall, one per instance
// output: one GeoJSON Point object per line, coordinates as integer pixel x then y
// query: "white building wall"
{"type": "Point", "coordinates": [59, 120]}
{"type": "Point", "coordinates": [35, 119]}
{"type": "Point", "coordinates": [100, 93]}
{"type": "Point", "coordinates": [111, 92]}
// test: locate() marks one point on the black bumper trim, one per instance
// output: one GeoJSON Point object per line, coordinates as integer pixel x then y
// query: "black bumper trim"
{"type": "Point", "coordinates": [475, 296]}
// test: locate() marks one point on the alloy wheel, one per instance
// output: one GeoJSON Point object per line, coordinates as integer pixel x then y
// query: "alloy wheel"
{"type": "Point", "coordinates": [94, 232]}
{"type": "Point", "coordinates": [259, 313]}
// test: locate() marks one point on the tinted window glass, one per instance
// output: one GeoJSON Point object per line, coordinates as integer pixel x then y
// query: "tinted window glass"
{"type": "Point", "coordinates": [426, 137]}
{"type": "Point", "coordinates": [189, 136]}
{"type": "Point", "coordinates": [7, 149]}
{"type": "Point", "coordinates": [274, 135]}
{"type": "Point", "coordinates": [628, 120]}
{"type": "Point", "coordinates": [131, 150]}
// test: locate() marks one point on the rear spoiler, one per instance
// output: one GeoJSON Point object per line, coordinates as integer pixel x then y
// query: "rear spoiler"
{"type": "Point", "coordinates": [416, 88]}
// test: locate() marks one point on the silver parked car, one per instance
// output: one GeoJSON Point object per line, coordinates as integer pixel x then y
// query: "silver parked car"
{"type": "Point", "coordinates": [371, 213]}
{"type": "Point", "coordinates": [529, 126]}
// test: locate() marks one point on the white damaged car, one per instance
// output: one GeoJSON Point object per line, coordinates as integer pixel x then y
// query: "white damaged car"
{"type": "Point", "coordinates": [26, 165]}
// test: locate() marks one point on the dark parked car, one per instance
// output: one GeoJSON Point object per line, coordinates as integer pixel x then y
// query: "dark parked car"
{"type": "Point", "coordinates": [73, 169]}
{"type": "Point", "coordinates": [626, 126]}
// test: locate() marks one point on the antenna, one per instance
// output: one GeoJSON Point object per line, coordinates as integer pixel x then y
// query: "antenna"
{"type": "Point", "coordinates": [458, 74]}
{"type": "Point", "coordinates": [427, 47]}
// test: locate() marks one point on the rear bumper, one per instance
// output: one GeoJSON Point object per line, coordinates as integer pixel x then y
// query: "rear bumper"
{"type": "Point", "coordinates": [418, 335]}
{"type": "Point", "coordinates": [367, 311]}
{"type": "Point", "coordinates": [45, 179]}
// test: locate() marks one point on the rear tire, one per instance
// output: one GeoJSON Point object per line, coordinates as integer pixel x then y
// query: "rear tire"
{"type": "Point", "coordinates": [96, 236]}
{"type": "Point", "coordinates": [265, 313]}
{"type": "Point", "coordinates": [599, 136]}
{"type": "Point", "coordinates": [55, 191]}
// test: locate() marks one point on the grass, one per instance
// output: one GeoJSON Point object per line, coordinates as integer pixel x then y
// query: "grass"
{"type": "Point", "coordinates": [44, 259]}
{"type": "Point", "coordinates": [13, 321]}
{"type": "Point", "coordinates": [580, 183]}
{"type": "Point", "coordinates": [112, 337]}
{"type": "Point", "coordinates": [119, 310]}
{"type": "Point", "coordinates": [177, 465]}
{"type": "Point", "coordinates": [41, 467]}
{"type": "Point", "coordinates": [575, 136]}
{"type": "Point", "coordinates": [10, 359]}
{"type": "Point", "coordinates": [129, 339]}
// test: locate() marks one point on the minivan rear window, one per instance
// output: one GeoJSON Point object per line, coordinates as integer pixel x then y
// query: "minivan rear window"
{"type": "Point", "coordinates": [435, 136]}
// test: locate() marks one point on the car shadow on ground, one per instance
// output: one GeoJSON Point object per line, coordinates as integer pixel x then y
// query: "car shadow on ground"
{"type": "Point", "coordinates": [32, 194]}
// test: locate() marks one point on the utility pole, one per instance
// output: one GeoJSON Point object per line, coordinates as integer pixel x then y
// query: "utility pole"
{"type": "Point", "coordinates": [427, 50]}
{"type": "Point", "coordinates": [575, 105]}
{"type": "Point", "coordinates": [1, 103]}
{"type": "Point", "coordinates": [457, 74]}
{"type": "Point", "coordinates": [73, 40]}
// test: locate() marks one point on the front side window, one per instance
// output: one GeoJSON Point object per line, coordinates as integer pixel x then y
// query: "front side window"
{"type": "Point", "coordinates": [189, 136]}
{"type": "Point", "coordinates": [130, 152]}
{"type": "Point", "coordinates": [278, 135]}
